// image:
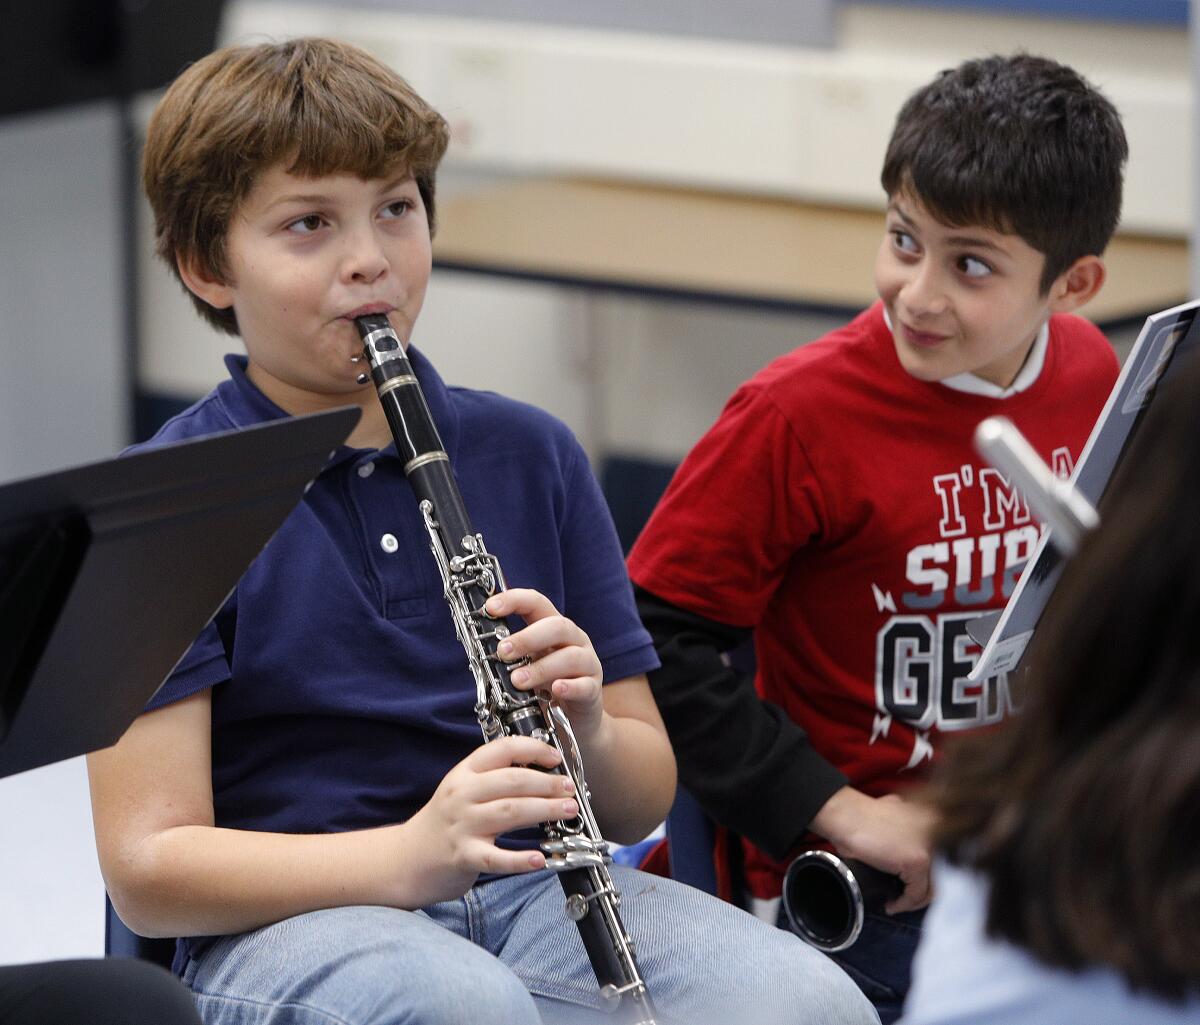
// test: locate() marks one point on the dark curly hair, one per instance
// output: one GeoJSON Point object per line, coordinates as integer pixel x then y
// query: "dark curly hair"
{"type": "Point", "coordinates": [1018, 144]}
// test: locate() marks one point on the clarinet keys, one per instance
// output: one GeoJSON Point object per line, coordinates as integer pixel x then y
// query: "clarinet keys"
{"type": "Point", "coordinates": [575, 851]}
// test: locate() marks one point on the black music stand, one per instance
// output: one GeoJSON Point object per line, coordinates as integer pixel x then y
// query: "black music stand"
{"type": "Point", "coordinates": [1167, 340]}
{"type": "Point", "coordinates": [109, 571]}
{"type": "Point", "coordinates": [67, 52]}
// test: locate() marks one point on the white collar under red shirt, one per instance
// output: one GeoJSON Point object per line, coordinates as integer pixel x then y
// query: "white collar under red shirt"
{"type": "Point", "coordinates": [1028, 373]}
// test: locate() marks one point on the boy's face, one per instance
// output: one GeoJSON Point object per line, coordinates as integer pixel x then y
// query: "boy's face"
{"type": "Point", "coordinates": [305, 256]}
{"type": "Point", "coordinates": [960, 300]}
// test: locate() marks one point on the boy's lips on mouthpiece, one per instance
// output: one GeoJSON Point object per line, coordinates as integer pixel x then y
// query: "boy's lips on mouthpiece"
{"type": "Point", "coordinates": [362, 311]}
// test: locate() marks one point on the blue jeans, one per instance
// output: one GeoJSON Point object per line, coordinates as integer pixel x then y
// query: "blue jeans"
{"type": "Point", "coordinates": [506, 954]}
{"type": "Point", "coordinates": [880, 960]}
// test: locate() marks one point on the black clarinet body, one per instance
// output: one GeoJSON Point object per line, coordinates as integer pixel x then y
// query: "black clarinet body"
{"type": "Point", "coordinates": [470, 574]}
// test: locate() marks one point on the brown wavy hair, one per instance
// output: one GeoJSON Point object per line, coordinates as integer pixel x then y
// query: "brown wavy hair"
{"type": "Point", "coordinates": [1083, 812]}
{"type": "Point", "coordinates": [317, 106]}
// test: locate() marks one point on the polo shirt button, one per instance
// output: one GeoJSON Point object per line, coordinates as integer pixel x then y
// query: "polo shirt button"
{"type": "Point", "coordinates": [389, 543]}
{"type": "Point", "coordinates": [366, 469]}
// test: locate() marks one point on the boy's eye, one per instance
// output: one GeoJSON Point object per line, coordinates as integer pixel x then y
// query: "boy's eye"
{"type": "Point", "coordinates": [973, 268]}
{"type": "Point", "coordinates": [903, 241]}
{"type": "Point", "coordinates": [306, 225]}
{"type": "Point", "coordinates": [397, 208]}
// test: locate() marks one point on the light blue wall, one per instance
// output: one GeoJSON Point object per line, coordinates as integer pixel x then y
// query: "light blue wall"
{"type": "Point", "coordinates": [1157, 12]}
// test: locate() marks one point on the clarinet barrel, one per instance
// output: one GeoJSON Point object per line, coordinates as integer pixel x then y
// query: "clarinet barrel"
{"type": "Point", "coordinates": [574, 849]}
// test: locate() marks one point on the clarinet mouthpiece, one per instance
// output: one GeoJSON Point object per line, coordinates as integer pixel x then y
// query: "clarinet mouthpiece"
{"type": "Point", "coordinates": [380, 342]}
{"type": "Point", "coordinates": [369, 322]}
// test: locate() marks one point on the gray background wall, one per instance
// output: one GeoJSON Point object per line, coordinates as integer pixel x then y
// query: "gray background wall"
{"type": "Point", "coordinates": [62, 380]}
{"type": "Point", "coordinates": [805, 22]}
{"type": "Point", "coordinates": [63, 400]}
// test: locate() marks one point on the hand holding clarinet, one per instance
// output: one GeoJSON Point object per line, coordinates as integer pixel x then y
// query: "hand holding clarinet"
{"type": "Point", "coordinates": [503, 786]}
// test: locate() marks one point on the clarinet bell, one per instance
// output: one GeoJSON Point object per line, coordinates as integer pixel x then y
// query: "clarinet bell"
{"type": "Point", "coordinates": [826, 898]}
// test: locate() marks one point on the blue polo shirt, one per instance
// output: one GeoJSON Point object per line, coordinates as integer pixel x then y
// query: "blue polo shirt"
{"type": "Point", "coordinates": [340, 694]}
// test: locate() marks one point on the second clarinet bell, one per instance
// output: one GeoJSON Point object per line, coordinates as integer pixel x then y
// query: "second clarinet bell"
{"type": "Point", "coordinates": [826, 897]}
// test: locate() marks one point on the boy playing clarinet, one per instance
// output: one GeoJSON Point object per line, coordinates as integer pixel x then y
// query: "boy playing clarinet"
{"type": "Point", "coordinates": [306, 801]}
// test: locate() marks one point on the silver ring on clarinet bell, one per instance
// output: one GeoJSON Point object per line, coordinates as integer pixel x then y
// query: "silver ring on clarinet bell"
{"type": "Point", "coordinates": [823, 901]}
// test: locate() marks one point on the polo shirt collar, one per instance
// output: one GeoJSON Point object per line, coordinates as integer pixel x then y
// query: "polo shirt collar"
{"type": "Point", "coordinates": [247, 405]}
{"type": "Point", "coordinates": [243, 401]}
{"type": "Point", "coordinates": [973, 384]}
{"type": "Point", "coordinates": [1031, 369]}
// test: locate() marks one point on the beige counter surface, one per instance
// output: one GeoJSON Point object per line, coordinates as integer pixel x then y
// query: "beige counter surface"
{"type": "Point", "coordinates": [723, 246]}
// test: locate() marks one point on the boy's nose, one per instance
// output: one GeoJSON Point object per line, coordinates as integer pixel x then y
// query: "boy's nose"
{"type": "Point", "coordinates": [924, 293]}
{"type": "Point", "coordinates": [364, 259]}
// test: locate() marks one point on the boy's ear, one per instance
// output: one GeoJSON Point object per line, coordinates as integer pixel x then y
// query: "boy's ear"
{"type": "Point", "coordinates": [1077, 284]}
{"type": "Point", "coordinates": [203, 284]}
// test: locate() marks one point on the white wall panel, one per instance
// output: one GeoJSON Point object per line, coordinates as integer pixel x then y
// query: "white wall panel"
{"type": "Point", "coordinates": [781, 120]}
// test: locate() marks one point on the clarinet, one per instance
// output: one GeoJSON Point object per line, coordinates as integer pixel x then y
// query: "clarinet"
{"type": "Point", "coordinates": [470, 574]}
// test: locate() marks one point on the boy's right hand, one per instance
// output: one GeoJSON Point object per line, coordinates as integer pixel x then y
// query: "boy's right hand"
{"type": "Point", "coordinates": [491, 791]}
{"type": "Point", "coordinates": [888, 833]}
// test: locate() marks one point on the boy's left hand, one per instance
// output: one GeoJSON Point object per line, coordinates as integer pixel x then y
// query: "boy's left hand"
{"type": "Point", "coordinates": [563, 661]}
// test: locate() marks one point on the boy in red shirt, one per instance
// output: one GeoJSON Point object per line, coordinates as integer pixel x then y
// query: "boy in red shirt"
{"type": "Point", "coordinates": [837, 510]}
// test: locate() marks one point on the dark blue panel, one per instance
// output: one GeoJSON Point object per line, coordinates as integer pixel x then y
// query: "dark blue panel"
{"type": "Point", "coordinates": [1158, 12]}
{"type": "Point", "coordinates": [633, 487]}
